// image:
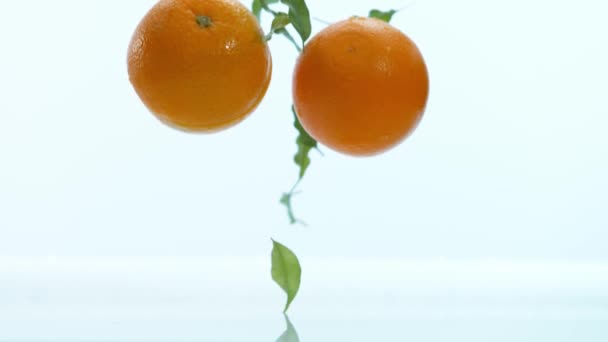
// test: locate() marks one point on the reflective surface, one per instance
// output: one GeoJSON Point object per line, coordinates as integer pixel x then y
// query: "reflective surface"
{"type": "Point", "coordinates": [167, 299]}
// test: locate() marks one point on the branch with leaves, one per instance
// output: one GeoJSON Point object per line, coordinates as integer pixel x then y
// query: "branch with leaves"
{"type": "Point", "coordinates": [286, 270]}
{"type": "Point", "coordinates": [297, 16]}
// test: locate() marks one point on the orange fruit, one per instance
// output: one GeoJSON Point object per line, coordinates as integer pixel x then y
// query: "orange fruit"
{"type": "Point", "coordinates": [360, 86]}
{"type": "Point", "coordinates": [200, 65]}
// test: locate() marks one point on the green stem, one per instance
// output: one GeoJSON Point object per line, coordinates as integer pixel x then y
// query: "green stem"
{"type": "Point", "coordinates": [204, 21]}
{"type": "Point", "coordinates": [267, 8]}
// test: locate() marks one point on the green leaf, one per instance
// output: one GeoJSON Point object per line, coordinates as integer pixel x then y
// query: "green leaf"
{"type": "Point", "coordinates": [286, 271]}
{"type": "Point", "coordinates": [279, 25]}
{"type": "Point", "coordinates": [286, 201]}
{"type": "Point", "coordinates": [280, 21]}
{"type": "Point", "coordinates": [305, 143]}
{"type": "Point", "coordinates": [382, 15]}
{"type": "Point", "coordinates": [256, 8]}
{"type": "Point", "coordinates": [290, 334]}
{"type": "Point", "coordinates": [300, 17]}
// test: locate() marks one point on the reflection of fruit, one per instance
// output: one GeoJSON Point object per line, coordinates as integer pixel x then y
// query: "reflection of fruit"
{"type": "Point", "coordinates": [360, 86]}
{"type": "Point", "coordinates": [200, 65]}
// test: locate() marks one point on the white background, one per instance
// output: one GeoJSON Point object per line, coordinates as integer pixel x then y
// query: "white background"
{"type": "Point", "coordinates": [509, 161]}
{"type": "Point", "coordinates": [498, 201]}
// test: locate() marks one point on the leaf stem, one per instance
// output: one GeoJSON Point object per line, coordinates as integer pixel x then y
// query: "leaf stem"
{"type": "Point", "coordinates": [322, 21]}
{"type": "Point", "coordinates": [290, 38]}
{"type": "Point", "coordinates": [293, 188]}
{"type": "Point", "coordinates": [267, 8]}
{"type": "Point", "coordinates": [203, 21]}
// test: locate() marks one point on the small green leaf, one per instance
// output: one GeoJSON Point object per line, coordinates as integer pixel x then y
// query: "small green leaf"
{"type": "Point", "coordinates": [382, 15]}
{"type": "Point", "coordinates": [286, 201]}
{"type": "Point", "coordinates": [280, 21]}
{"type": "Point", "coordinates": [300, 17]}
{"type": "Point", "coordinates": [256, 8]}
{"type": "Point", "coordinates": [290, 334]}
{"type": "Point", "coordinates": [305, 143]}
{"type": "Point", "coordinates": [286, 271]}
